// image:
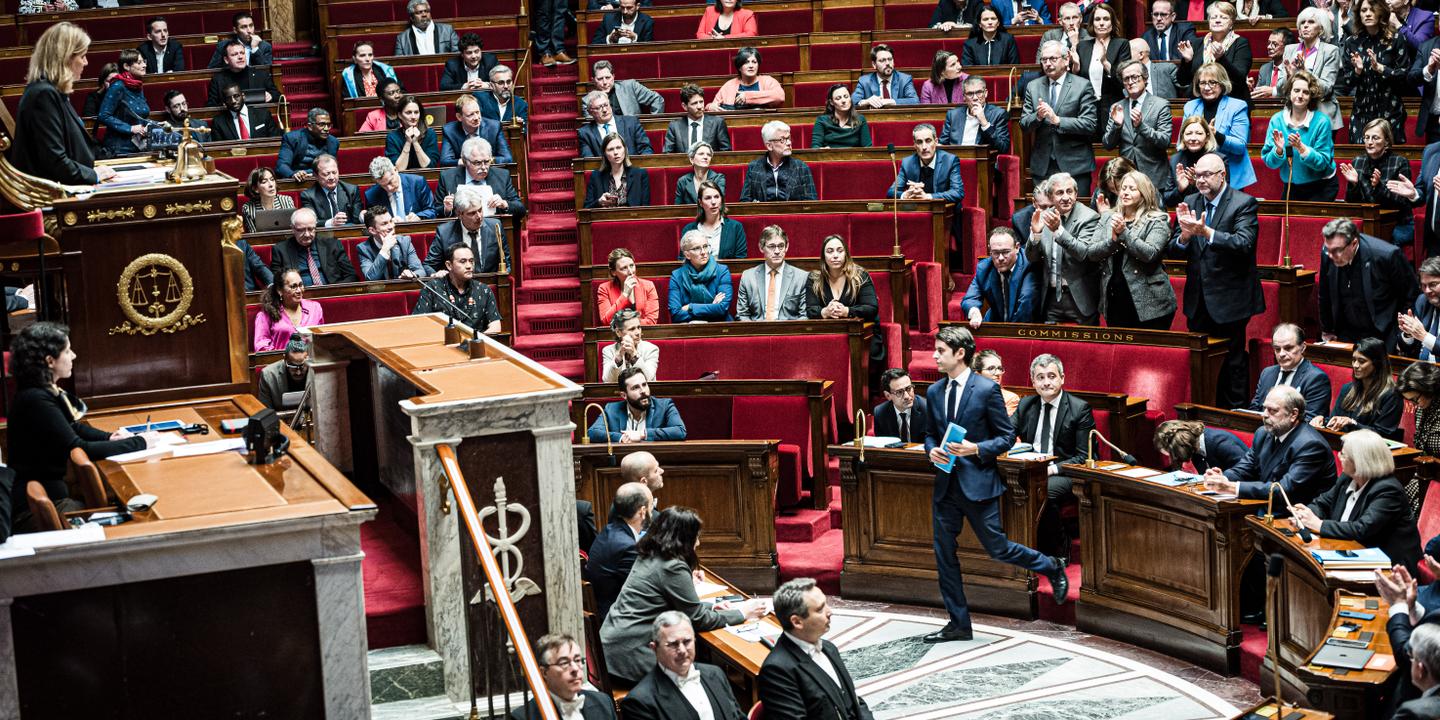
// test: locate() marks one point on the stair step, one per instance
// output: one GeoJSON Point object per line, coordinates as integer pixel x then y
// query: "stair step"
{"type": "Point", "coordinates": [406, 672]}
{"type": "Point", "coordinates": [438, 707]}
{"type": "Point", "coordinates": [554, 207]}
{"type": "Point", "coordinates": [553, 105]}
{"type": "Point", "coordinates": [558, 290]}
{"type": "Point", "coordinates": [555, 124]}
{"type": "Point", "coordinates": [558, 142]}
{"type": "Point", "coordinates": [553, 347]}
{"type": "Point", "coordinates": [573, 370]}
{"type": "Point", "coordinates": [560, 162]}
{"type": "Point", "coordinates": [537, 319]}
{"type": "Point", "coordinates": [803, 526]}
{"type": "Point", "coordinates": [554, 184]}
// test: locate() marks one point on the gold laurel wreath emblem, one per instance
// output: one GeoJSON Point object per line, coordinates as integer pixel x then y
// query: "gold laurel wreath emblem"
{"type": "Point", "coordinates": [155, 292]}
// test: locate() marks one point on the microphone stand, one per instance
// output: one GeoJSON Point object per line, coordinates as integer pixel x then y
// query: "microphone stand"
{"type": "Point", "coordinates": [895, 206]}
{"type": "Point", "coordinates": [1285, 226]}
{"type": "Point", "coordinates": [452, 333]}
{"type": "Point", "coordinates": [1125, 457]}
{"type": "Point", "coordinates": [1274, 567]}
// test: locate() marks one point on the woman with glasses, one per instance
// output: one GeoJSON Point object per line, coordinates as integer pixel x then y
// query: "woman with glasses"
{"type": "Point", "coordinates": [1419, 386]}
{"type": "Point", "coordinates": [1367, 180]}
{"type": "Point", "coordinates": [662, 579]}
{"type": "Point", "coordinates": [1369, 401]}
{"type": "Point", "coordinates": [1221, 47]}
{"type": "Point", "coordinates": [700, 289]}
{"type": "Point", "coordinates": [1374, 62]}
{"type": "Point", "coordinates": [1229, 120]}
{"type": "Point", "coordinates": [840, 126]}
{"type": "Point", "coordinates": [725, 236]}
{"type": "Point", "coordinates": [989, 364]}
{"type": "Point", "coordinates": [700, 156]}
{"type": "Point", "coordinates": [283, 311]}
{"type": "Point", "coordinates": [617, 183]}
{"type": "Point", "coordinates": [1301, 144]}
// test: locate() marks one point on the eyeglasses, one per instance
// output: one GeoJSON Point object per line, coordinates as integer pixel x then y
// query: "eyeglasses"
{"type": "Point", "coordinates": [907, 390]}
{"type": "Point", "coordinates": [1132, 79]}
{"type": "Point", "coordinates": [478, 163]}
{"type": "Point", "coordinates": [1209, 83]}
{"type": "Point", "coordinates": [1206, 173]}
{"type": "Point", "coordinates": [567, 663]}
{"type": "Point", "coordinates": [995, 369]}
{"type": "Point", "coordinates": [1158, 14]}
{"type": "Point", "coordinates": [781, 140]}
{"type": "Point", "coordinates": [975, 93]}
{"type": "Point", "coordinates": [775, 246]}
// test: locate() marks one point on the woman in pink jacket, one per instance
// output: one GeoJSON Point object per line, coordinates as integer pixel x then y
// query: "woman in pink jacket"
{"type": "Point", "coordinates": [725, 19]}
{"type": "Point", "coordinates": [945, 86]}
{"type": "Point", "coordinates": [748, 89]}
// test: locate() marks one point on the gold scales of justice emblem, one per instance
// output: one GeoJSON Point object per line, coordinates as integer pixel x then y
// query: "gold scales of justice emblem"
{"type": "Point", "coordinates": [155, 292]}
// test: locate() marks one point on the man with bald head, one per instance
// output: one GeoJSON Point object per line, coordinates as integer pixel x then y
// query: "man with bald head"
{"type": "Point", "coordinates": [613, 552]}
{"type": "Point", "coordinates": [1215, 235]}
{"type": "Point", "coordinates": [642, 467]}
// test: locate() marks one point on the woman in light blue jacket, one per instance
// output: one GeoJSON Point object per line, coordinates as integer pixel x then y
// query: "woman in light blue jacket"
{"type": "Point", "coordinates": [1301, 144]}
{"type": "Point", "coordinates": [1230, 119]}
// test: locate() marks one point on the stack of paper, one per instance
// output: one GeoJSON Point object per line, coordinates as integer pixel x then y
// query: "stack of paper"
{"type": "Point", "coordinates": [1363, 558]}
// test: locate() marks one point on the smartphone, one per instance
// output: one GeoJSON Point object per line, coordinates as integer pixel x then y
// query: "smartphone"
{"type": "Point", "coordinates": [1348, 553]}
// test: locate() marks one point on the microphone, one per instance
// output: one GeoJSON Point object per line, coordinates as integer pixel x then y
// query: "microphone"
{"type": "Point", "coordinates": [895, 206]}
{"type": "Point", "coordinates": [1300, 530]}
{"type": "Point", "coordinates": [1275, 565]}
{"type": "Point", "coordinates": [1125, 457]}
{"type": "Point", "coordinates": [450, 308]}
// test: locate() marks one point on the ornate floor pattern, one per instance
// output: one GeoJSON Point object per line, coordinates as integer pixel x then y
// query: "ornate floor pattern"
{"type": "Point", "coordinates": [1004, 675]}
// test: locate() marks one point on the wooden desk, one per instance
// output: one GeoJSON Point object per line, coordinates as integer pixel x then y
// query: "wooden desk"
{"type": "Point", "coordinates": [159, 619]}
{"type": "Point", "coordinates": [1162, 565]}
{"type": "Point", "coordinates": [739, 658]}
{"type": "Point", "coordinates": [1269, 705]}
{"type": "Point", "coordinates": [889, 533]}
{"type": "Point", "coordinates": [1311, 597]}
{"type": "Point", "coordinates": [730, 483]}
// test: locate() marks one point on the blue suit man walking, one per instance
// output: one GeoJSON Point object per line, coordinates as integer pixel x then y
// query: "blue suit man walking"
{"type": "Point", "coordinates": [972, 488]}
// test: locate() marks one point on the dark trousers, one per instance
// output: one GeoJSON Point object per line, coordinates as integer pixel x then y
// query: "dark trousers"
{"type": "Point", "coordinates": [1060, 307]}
{"type": "Point", "coordinates": [548, 19]}
{"type": "Point", "coordinates": [1082, 180]}
{"type": "Point", "coordinates": [951, 513]}
{"type": "Point", "coordinates": [1319, 191]}
{"type": "Point", "coordinates": [1232, 389]}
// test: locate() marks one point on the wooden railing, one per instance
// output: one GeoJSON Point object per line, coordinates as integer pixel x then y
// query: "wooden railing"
{"type": "Point", "coordinates": [497, 602]}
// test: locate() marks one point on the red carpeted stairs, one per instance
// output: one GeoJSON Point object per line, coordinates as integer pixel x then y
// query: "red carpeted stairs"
{"type": "Point", "coordinates": [547, 303]}
{"type": "Point", "coordinates": [302, 72]}
{"type": "Point", "coordinates": [394, 597]}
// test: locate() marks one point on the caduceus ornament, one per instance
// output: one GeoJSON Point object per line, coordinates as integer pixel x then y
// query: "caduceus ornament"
{"type": "Point", "coordinates": [504, 545]}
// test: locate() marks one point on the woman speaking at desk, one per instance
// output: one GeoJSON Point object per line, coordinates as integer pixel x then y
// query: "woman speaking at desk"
{"type": "Point", "coordinates": [50, 140]}
{"type": "Point", "coordinates": [45, 420]}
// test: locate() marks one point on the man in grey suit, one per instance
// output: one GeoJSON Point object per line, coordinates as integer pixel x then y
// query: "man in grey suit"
{"type": "Point", "coordinates": [1058, 242]}
{"type": "Point", "coordinates": [775, 279]}
{"type": "Point", "coordinates": [424, 36]}
{"type": "Point", "coordinates": [292, 374]}
{"type": "Point", "coordinates": [1159, 77]}
{"type": "Point", "coordinates": [1140, 126]}
{"type": "Point", "coordinates": [627, 97]}
{"type": "Point", "coordinates": [1060, 109]}
{"type": "Point", "coordinates": [696, 127]}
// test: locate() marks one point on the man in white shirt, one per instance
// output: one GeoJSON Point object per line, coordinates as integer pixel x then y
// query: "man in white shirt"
{"type": "Point", "coordinates": [1292, 369]}
{"type": "Point", "coordinates": [789, 687]}
{"type": "Point", "coordinates": [1056, 423]}
{"type": "Point", "coordinates": [629, 349]}
{"type": "Point", "coordinates": [562, 663]}
{"type": "Point", "coordinates": [425, 37]}
{"type": "Point", "coordinates": [774, 289]}
{"type": "Point", "coordinates": [678, 688]}
{"type": "Point", "coordinates": [902, 415]}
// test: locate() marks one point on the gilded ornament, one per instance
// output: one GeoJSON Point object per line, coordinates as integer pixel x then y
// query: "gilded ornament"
{"type": "Point", "coordinates": [155, 292]}
{"type": "Point", "coordinates": [71, 218]}
{"type": "Point", "coordinates": [125, 213]}
{"type": "Point", "coordinates": [187, 208]}
{"type": "Point", "coordinates": [227, 204]}
{"type": "Point", "coordinates": [149, 212]}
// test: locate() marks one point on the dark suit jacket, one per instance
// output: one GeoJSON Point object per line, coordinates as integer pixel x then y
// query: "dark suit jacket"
{"type": "Point", "coordinates": [347, 198]}
{"type": "Point", "coordinates": [793, 686]}
{"type": "Point", "coordinates": [414, 190]}
{"type": "Point", "coordinates": [491, 109]}
{"type": "Point", "coordinates": [454, 76]}
{"type": "Point", "coordinates": [1388, 284]}
{"type": "Point", "coordinates": [51, 142]}
{"type": "Point", "coordinates": [887, 421]}
{"type": "Point", "coordinates": [262, 55]}
{"type": "Point", "coordinates": [1416, 77]}
{"type": "Point", "coordinates": [1384, 418]}
{"type": "Point", "coordinates": [1304, 465]}
{"type": "Point", "coordinates": [1426, 314]}
{"type": "Point", "coordinates": [1381, 518]}
{"type": "Point", "coordinates": [597, 707]}
{"type": "Point", "coordinates": [585, 517]}
{"type": "Point", "coordinates": [947, 183]}
{"type": "Point", "coordinates": [982, 414]}
{"type": "Point", "coordinates": [1429, 166]}
{"type": "Point", "coordinates": [644, 28]}
{"type": "Point", "coordinates": [454, 138]}
{"type": "Point", "coordinates": [262, 125]}
{"type": "Point", "coordinates": [713, 130]}
{"type": "Point", "coordinates": [174, 56]}
{"type": "Point", "coordinates": [637, 193]}
{"type": "Point", "coordinates": [453, 232]}
{"type": "Point", "coordinates": [1222, 450]}
{"type": "Point", "coordinates": [998, 136]}
{"type": "Point", "coordinates": [611, 555]}
{"type": "Point", "coordinates": [257, 275]}
{"type": "Point", "coordinates": [1423, 708]}
{"type": "Point", "coordinates": [1311, 381]}
{"type": "Point", "coordinates": [1073, 422]}
{"type": "Point", "coordinates": [1179, 32]}
{"type": "Point", "coordinates": [1025, 279]}
{"type": "Point", "coordinates": [1000, 51]}
{"type": "Point", "coordinates": [248, 79]}
{"type": "Point", "coordinates": [629, 129]}
{"type": "Point", "coordinates": [498, 179]}
{"type": "Point", "coordinates": [1236, 61]}
{"type": "Point", "coordinates": [1398, 627]}
{"type": "Point", "coordinates": [662, 423]}
{"type": "Point", "coordinates": [1110, 90]}
{"type": "Point", "coordinates": [1223, 269]}
{"type": "Point", "coordinates": [334, 263]}
{"type": "Point", "coordinates": [655, 697]}
{"type": "Point", "coordinates": [293, 147]}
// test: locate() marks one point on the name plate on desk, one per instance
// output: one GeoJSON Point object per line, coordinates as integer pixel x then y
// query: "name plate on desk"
{"type": "Point", "coordinates": [203, 485]}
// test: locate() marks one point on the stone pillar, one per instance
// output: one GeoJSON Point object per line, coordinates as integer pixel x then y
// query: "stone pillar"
{"type": "Point", "coordinates": [9, 685]}
{"type": "Point", "coordinates": [340, 604]}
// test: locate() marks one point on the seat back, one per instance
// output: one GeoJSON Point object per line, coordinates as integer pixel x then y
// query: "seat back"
{"type": "Point", "coordinates": [46, 517]}
{"type": "Point", "coordinates": [88, 477]}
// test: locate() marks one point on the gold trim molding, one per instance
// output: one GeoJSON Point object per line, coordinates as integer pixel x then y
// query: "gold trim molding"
{"type": "Point", "coordinates": [155, 292]}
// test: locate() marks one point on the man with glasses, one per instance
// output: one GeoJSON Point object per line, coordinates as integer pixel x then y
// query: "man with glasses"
{"type": "Point", "coordinates": [1060, 109]}
{"type": "Point", "coordinates": [472, 123]}
{"type": "Point", "coordinates": [774, 289]}
{"type": "Point", "coordinates": [333, 201]}
{"type": "Point", "coordinates": [562, 663]}
{"type": "Point", "coordinates": [300, 148]}
{"type": "Point", "coordinates": [1420, 326]}
{"type": "Point", "coordinates": [424, 36]}
{"type": "Point", "coordinates": [478, 169]}
{"type": "Point", "coordinates": [776, 176]}
{"type": "Point", "coordinates": [1216, 236]}
{"type": "Point", "coordinates": [903, 414]}
{"type": "Point", "coordinates": [1140, 126]}
{"type": "Point", "coordinates": [1005, 282]}
{"type": "Point", "coordinates": [1165, 33]}
{"type": "Point", "coordinates": [471, 228]}
{"type": "Point", "coordinates": [605, 122]}
{"type": "Point", "coordinates": [287, 376]}
{"type": "Point", "coordinates": [977, 122]}
{"type": "Point", "coordinates": [886, 86]}
{"type": "Point", "coordinates": [500, 102]}
{"type": "Point", "coordinates": [1159, 77]}
{"type": "Point", "coordinates": [1426, 195]}
{"type": "Point", "coordinates": [1365, 284]}
{"type": "Point", "coordinates": [678, 687]}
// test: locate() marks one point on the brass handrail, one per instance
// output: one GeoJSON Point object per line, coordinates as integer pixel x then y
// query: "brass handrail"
{"type": "Point", "coordinates": [523, 650]}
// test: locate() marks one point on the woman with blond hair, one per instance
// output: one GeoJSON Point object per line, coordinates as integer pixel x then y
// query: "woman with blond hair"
{"type": "Point", "coordinates": [1197, 139]}
{"type": "Point", "coordinates": [1221, 46]}
{"type": "Point", "coordinates": [50, 140]}
{"type": "Point", "coordinates": [1129, 244]}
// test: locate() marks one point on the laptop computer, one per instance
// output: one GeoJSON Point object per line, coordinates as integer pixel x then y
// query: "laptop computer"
{"type": "Point", "coordinates": [268, 220]}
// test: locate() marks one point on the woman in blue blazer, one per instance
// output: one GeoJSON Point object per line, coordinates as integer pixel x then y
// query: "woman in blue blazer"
{"type": "Point", "coordinates": [700, 289]}
{"type": "Point", "coordinates": [715, 226]}
{"type": "Point", "coordinates": [1301, 144]}
{"type": "Point", "coordinates": [617, 183]}
{"type": "Point", "coordinates": [1229, 117]}
{"type": "Point", "coordinates": [413, 145]}
{"type": "Point", "coordinates": [124, 111]}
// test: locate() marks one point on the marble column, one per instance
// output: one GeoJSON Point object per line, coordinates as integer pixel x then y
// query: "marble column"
{"type": "Point", "coordinates": [330, 402]}
{"type": "Point", "coordinates": [340, 604]}
{"type": "Point", "coordinates": [9, 687]}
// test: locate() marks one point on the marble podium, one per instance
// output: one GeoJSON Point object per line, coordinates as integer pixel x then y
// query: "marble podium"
{"type": "Point", "coordinates": [388, 392]}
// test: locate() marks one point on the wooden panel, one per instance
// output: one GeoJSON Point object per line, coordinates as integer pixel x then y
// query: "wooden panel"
{"type": "Point", "coordinates": [1134, 525]}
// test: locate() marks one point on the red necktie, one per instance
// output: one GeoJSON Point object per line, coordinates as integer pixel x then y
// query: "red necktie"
{"type": "Point", "coordinates": [884, 89]}
{"type": "Point", "coordinates": [244, 126]}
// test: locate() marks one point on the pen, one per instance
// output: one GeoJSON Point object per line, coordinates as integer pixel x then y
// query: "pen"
{"type": "Point", "coordinates": [147, 423]}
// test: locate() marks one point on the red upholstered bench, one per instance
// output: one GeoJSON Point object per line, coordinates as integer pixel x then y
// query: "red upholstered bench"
{"type": "Point", "coordinates": [640, 65]}
{"type": "Point", "coordinates": [354, 307]}
{"type": "Point", "coordinates": [790, 21]}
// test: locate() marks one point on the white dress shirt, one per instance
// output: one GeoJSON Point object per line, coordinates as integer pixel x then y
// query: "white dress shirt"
{"type": "Point", "coordinates": [1048, 442]}
{"type": "Point", "coordinates": [814, 651]}
{"type": "Point", "coordinates": [424, 40]}
{"type": "Point", "coordinates": [1352, 494]}
{"type": "Point", "coordinates": [960, 380]}
{"type": "Point", "coordinates": [572, 710]}
{"type": "Point", "coordinates": [693, 690]}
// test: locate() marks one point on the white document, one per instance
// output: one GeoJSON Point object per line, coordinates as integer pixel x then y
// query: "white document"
{"type": "Point", "coordinates": [703, 588]}
{"type": "Point", "coordinates": [210, 448]}
{"type": "Point", "coordinates": [146, 454]}
{"type": "Point", "coordinates": [755, 631]}
{"type": "Point", "coordinates": [55, 538]}
{"type": "Point", "coordinates": [1137, 472]}
{"type": "Point", "coordinates": [879, 441]}
{"type": "Point", "coordinates": [1027, 456]}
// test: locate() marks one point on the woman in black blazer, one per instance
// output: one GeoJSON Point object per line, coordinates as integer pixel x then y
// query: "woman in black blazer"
{"type": "Point", "coordinates": [50, 140]}
{"type": "Point", "coordinates": [1100, 71]}
{"type": "Point", "coordinates": [1221, 45]}
{"type": "Point", "coordinates": [842, 289]}
{"type": "Point", "coordinates": [45, 420]}
{"type": "Point", "coordinates": [988, 43]}
{"type": "Point", "coordinates": [617, 183]}
{"type": "Point", "coordinates": [1370, 401]}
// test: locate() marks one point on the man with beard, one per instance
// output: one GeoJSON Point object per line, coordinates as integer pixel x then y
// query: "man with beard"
{"type": "Point", "coordinates": [500, 102]}
{"type": "Point", "coordinates": [240, 121]}
{"type": "Point", "coordinates": [886, 86]}
{"type": "Point", "coordinates": [424, 36]}
{"type": "Point", "coordinates": [1421, 324]}
{"type": "Point", "coordinates": [637, 417]}
{"type": "Point", "coordinates": [177, 113]}
{"type": "Point", "coordinates": [475, 301]}
{"type": "Point", "coordinates": [613, 551]}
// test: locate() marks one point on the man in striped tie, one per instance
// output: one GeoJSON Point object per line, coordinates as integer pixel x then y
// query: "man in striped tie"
{"type": "Point", "coordinates": [1420, 326]}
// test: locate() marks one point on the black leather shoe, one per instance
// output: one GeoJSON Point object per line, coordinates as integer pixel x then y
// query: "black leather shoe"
{"type": "Point", "coordinates": [950, 633]}
{"type": "Point", "coordinates": [1059, 581]}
